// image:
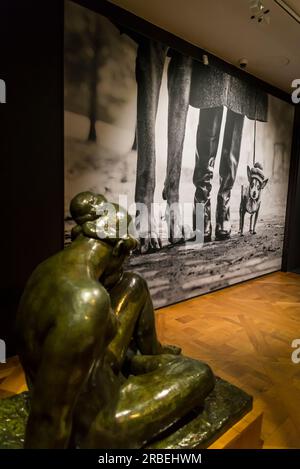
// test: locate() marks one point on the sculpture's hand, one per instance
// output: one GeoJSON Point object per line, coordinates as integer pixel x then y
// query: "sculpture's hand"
{"type": "Point", "coordinates": [128, 244]}
{"type": "Point", "coordinates": [114, 271]}
{"type": "Point", "coordinates": [171, 349]}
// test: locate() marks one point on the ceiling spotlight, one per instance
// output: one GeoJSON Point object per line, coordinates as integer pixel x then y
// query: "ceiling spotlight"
{"type": "Point", "coordinates": [259, 12]}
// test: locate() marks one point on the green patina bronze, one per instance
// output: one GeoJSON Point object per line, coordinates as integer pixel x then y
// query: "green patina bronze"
{"type": "Point", "coordinates": [98, 376]}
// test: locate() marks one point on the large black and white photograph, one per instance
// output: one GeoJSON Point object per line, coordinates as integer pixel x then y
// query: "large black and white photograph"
{"type": "Point", "coordinates": [167, 134]}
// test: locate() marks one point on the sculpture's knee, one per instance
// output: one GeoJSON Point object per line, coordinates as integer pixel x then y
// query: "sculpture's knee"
{"type": "Point", "coordinates": [136, 283]}
{"type": "Point", "coordinates": [197, 376]}
{"type": "Point", "coordinates": [204, 378]}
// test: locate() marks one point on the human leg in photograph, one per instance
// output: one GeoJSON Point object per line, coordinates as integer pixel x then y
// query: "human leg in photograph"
{"type": "Point", "coordinates": [179, 83]}
{"type": "Point", "coordinates": [150, 61]}
{"type": "Point", "coordinates": [207, 142]}
{"type": "Point", "coordinates": [228, 168]}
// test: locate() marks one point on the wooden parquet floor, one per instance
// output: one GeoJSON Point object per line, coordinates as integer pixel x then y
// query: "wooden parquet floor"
{"type": "Point", "coordinates": [12, 379]}
{"type": "Point", "coordinates": [245, 333]}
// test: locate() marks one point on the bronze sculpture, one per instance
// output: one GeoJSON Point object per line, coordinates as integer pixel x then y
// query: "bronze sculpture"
{"type": "Point", "coordinates": [98, 375]}
{"type": "Point", "coordinates": [77, 319]}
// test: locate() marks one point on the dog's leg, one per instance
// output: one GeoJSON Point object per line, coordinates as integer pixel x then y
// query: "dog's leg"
{"type": "Point", "coordinates": [251, 223]}
{"type": "Point", "coordinates": [255, 220]}
{"type": "Point", "coordinates": [242, 214]}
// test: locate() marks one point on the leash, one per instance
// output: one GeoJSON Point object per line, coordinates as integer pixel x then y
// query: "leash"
{"type": "Point", "coordinates": [254, 133]}
{"type": "Point", "coordinates": [254, 142]}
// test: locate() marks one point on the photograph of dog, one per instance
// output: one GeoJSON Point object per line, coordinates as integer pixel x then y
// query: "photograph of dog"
{"type": "Point", "coordinates": [251, 197]}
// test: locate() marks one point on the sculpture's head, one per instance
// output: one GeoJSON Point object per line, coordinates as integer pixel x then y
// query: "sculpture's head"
{"type": "Point", "coordinates": [85, 206]}
{"type": "Point", "coordinates": [99, 219]}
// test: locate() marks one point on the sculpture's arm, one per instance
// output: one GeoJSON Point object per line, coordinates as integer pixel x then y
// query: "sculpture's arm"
{"type": "Point", "coordinates": [114, 273]}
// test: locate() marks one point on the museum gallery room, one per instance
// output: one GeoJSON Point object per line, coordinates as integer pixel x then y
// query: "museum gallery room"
{"type": "Point", "coordinates": [150, 289]}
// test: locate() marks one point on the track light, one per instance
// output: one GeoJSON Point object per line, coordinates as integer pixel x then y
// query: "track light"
{"type": "Point", "coordinates": [259, 12]}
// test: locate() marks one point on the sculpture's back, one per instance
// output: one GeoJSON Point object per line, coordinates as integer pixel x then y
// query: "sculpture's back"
{"type": "Point", "coordinates": [62, 290]}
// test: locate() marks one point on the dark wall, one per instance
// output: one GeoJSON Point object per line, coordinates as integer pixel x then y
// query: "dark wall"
{"type": "Point", "coordinates": [291, 259]}
{"type": "Point", "coordinates": [31, 127]}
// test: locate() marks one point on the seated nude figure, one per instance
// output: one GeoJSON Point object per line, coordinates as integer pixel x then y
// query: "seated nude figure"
{"type": "Point", "coordinates": [98, 375]}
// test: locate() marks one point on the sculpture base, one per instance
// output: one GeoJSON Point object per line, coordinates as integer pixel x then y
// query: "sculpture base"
{"type": "Point", "coordinates": [225, 405]}
{"type": "Point", "coordinates": [245, 434]}
{"type": "Point", "coordinates": [13, 417]}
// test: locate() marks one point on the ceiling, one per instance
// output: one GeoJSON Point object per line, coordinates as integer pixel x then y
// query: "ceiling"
{"type": "Point", "coordinates": [225, 29]}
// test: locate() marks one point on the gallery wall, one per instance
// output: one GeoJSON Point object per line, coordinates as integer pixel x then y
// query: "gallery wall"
{"type": "Point", "coordinates": [31, 143]}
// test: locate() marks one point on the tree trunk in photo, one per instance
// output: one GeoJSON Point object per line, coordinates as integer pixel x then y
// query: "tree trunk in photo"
{"type": "Point", "coordinates": [134, 145]}
{"type": "Point", "coordinates": [93, 97]}
{"type": "Point", "coordinates": [96, 43]}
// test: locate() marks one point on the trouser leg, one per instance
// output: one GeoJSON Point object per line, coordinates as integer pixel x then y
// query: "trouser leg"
{"type": "Point", "coordinates": [179, 82]}
{"type": "Point", "coordinates": [149, 70]}
{"type": "Point", "coordinates": [207, 142]}
{"type": "Point", "coordinates": [228, 168]}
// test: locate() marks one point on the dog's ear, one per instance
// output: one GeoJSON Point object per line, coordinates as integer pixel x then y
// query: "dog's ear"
{"type": "Point", "coordinates": [264, 183]}
{"type": "Point", "coordinates": [249, 173]}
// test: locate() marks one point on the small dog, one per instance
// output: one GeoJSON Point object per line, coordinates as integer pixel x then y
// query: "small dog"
{"type": "Point", "coordinates": [251, 196]}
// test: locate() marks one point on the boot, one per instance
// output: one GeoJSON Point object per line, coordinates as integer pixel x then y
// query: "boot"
{"type": "Point", "coordinates": [207, 228]}
{"type": "Point", "coordinates": [223, 231]}
{"type": "Point", "coordinates": [175, 224]}
{"type": "Point", "coordinates": [228, 168]}
{"type": "Point", "coordinates": [207, 141]}
{"type": "Point", "coordinates": [223, 226]}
